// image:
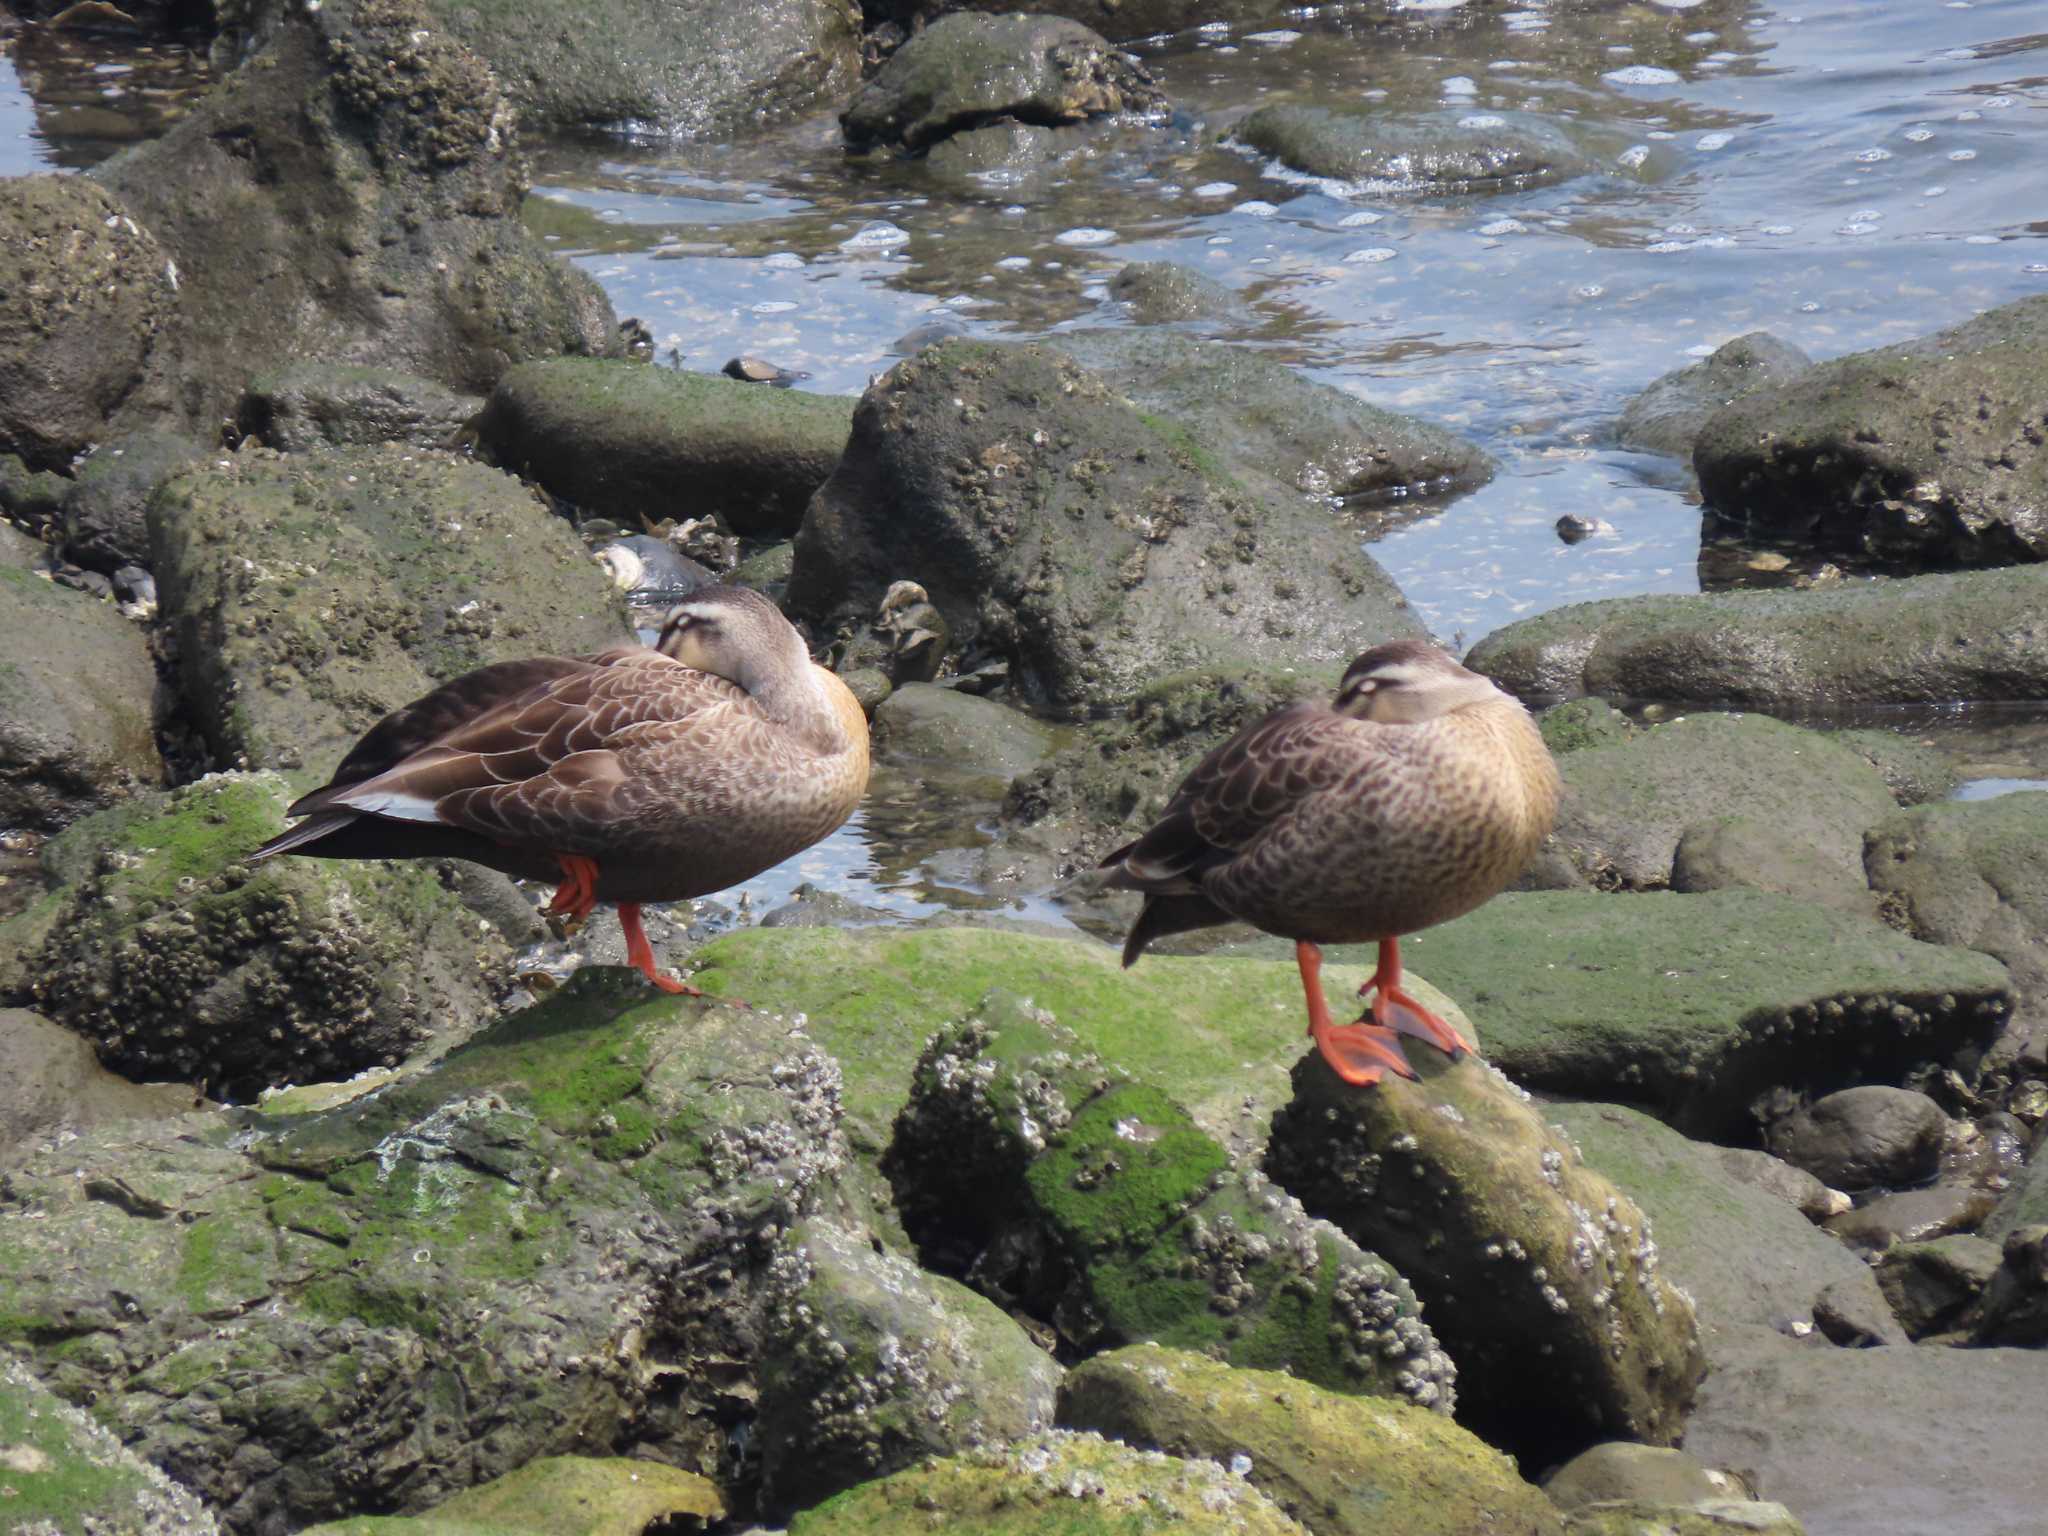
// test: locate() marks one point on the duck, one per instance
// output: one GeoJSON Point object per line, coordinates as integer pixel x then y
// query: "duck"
{"type": "Point", "coordinates": [1418, 793]}
{"type": "Point", "coordinates": [639, 774]}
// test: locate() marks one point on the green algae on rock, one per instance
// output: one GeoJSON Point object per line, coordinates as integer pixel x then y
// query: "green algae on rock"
{"type": "Point", "coordinates": [1060, 1185]}
{"type": "Point", "coordinates": [1541, 1277]}
{"type": "Point", "coordinates": [557, 1496]}
{"type": "Point", "coordinates": [1711, 1517]}
{"type": "Point", "coordinates": [1669, 413]}
{"type": "Point", "coordinates": [1341, 1465]}
{"type": "Point", "coordinates": [310, 594]}
{"type": "Point", "coordinates": [1695, 1004]}
{"type": "Point", "coordinates": [1060, 1483]}
{"type": "Point", "coordinates": [180, 962]}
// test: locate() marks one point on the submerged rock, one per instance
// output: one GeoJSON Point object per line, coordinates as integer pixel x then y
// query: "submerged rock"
{"type": "Point", "coordinates": [1162, 292]}
{"type": "Point", "coordinates": [1668, 415]}
{"type": "Point", "coordinates": [559, 1496]}
{"type": "Point", "coordinates": [307, 405]}
{"type": "Point", "coordinates": [1436, 153]}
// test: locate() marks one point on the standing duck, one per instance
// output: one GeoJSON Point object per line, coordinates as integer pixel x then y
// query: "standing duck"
{"type": "Point", "coordinates": [1413, 797]}
{"type": "Point", "coordinates": [631, 776]}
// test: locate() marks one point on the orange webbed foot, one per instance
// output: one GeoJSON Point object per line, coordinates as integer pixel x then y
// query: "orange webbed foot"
{"type": "Point", "coordinates": [640, 953]}
{"type": "Point", "coordinates": [577, 894]}
{"type": "Point", "coordinates": [1394, 1009]}
{"type": "Point", "coordinates": [1358, 1053]}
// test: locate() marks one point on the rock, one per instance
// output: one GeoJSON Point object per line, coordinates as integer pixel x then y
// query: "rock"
{"type": "Point", "coordinates": [1618, 1470]}
{"type": "Point", "coordinates": [525, 1249]}
{"type": "Point", "coordinates": [1273, 429]}
{"type": "Point", "coordinates": [77, 699]}
{"type": "Point", "coordinates": [1930, 639]}
{"type": "Point", "coordinates": [56, 1085]}
{"type": "Point", "coordinates": [106, 513]}
{"type": "Point", "coordinates": [1914, 771]}
{"type": "Point", "coordinates": [1931, 1285]}
{"type": "Point", "coordinates": [306, 405]}
{"type": "Point", "coordinates": [1434, 153]}
{"type": "Point", "coordinates": [758, 370]}
{"type": "Point", "coordinates": [1075, 1484]}
{"type": "Point", "coordinates": [360, 175]}
{"type": "Point", "coordinates": [1060, 530]}
{"type": "Point", "coordinates": [1342, 1466]}
{"type": "Point", "coordinates": [1848, 1313]}
{"type": "Point", "coordinates": [640, 443]}
{"type": "Point", "coordinates": [942, 726]}
{"type": "Point", "coordinates": [1924, 454]}
{"type": "Point", "coordinates": [559, 1496]}
{"type": "Point", "coordinates": [766, 570]}
{"type": "Point", "coordinates": [1715, 1517]}
{"type": "Point", "coordinates": [33, 498]}
{"type": "Point", "coordinates": [418, 566]}
{"type": "Point", "coordinates": [1123, 20]}
{"type": "Point", "coordinates": [1913, 1216]}
{"type": "Point", "coordinates": [1795, 1186]}
{"type": "Point", "coordinates": [1162, 292]}
{"type": "Point", "coordinates": [1864, 1136]}
{"type": "Point", "coordinates": [809, 907]}
{"type": "Point", "coordinates": [1538, 1274]}
{"type": "Point", "coordinates": [181, 963]}
{"type": "Point", "coordinates": [1584, 723]}
{"type": "Point", "coordinates": [1061, 1187]}
{"type": "Point", "coordinates": [1697, 1005]}
{"type": "Point", "coordinates": [1705, 802]}
{"type": "Point", "coordinates": [2015, 1305]}
{"type": "Point", "coordinates": [1015, 157]}
{"type": "Point", "coordinates": [965, 70]}
{"type": "Point", "coordinates": [90, 294]}
{"type": "Point", "coordinates": [2025, 1202]}
{"type": "Point", "coordinates": [650, 570]}
{"type": "Point", "coordinates": [869, 1365]}
{"type": "Point", "coordinates": [1668, 415]}
{"type": "Point", "coordinates": [66, 1475]}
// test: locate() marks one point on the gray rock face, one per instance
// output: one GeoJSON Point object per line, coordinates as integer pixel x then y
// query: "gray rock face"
{"type": "Point", "coordinates": [631, 441]}
{"type": "Point", "coordinates": [1429, 152]}
{"type": "Point", "coordinates": [1928, 453]}
{"type": "Point", "coordinates": [89, 293]}
{"type": "Point", "coordinates": [965, 70]}
{"type": "Point", "coordinates": [1795, 1186]}
{"type": "Point", "coordinates": [56, 1084]}
{"type": "Point", "coordinates": [1931, 1285]}
{"type": "Point", "coordinates": [2014, 1309]}
{"type": "Point", "coordinates": [77, 698]}
{"type": "Point", "coordinates": [308, 405]}
{"type": "Point", "coordinates": [362, 178]}
{"type": "Point", "coordinates": [1847, 1313]}
{"type": "Point", "coordinates": [1058, 529]}
{"type": "Point", "coordinates": [1864, 1136]}
{"type": "Point", "coordinates": [106, 513]}
{"type": "Point", "coordinates": [1929, 639]}
{"type": "Point", "coordinates": [1668, 415]}
{"type": "Point", "coordinates": [964, 734]}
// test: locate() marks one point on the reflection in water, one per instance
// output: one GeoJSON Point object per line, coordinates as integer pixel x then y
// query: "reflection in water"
{"type": "Point", "coordinates": [68, 100]}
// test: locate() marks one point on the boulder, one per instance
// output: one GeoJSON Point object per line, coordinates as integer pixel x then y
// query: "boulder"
{"type": "Point", "coordinates": [89, 293]}
{"type": "Point", "coordinates": [558, 1496]}
{"type": "Point", "coordinates": [1849, 1313]}
{"type": "Point", "coordinates": [1928, 639]}
{"type": "Point", "coordinates": [1164, 292]}
{"type": "Point", "coordinates": [1913, 1216]}
{"type": "Point", "coordinates": [1864, 1136]}
{"type": "Point", "coordinates": [32, 498]}
{"type": "Point", "coordinates": [77, 698]}
{"type": "Point", "coordinates": [1090, 547]}
{"type": "Point", "coordinates": [1914, 769]}
{"type": "Point", "coordinates": [1011, 159]}
{"type": "Point", "coordinates": [1438, 154]}
{"type": "Point", "coordinates": [1668, 415]}
{"type": "Point", "coordinates": [1932, 1285]}
{"type": "Point", "coordinates": [1795, 1186]}
{"type": "Point", "coordinates": [1927, 454]}
{"type": "Point", "coordinates": [306, 405]}
{"type": "Point", "coordinates": [311, 594]}
{"type": "Point", "coordinates": [967, 70]}
{"type": "Point", "coordinates": [57, 1086]}
{"type": "Point", "coordinates": [1540, 1276]}
{"type": "Point", "coordinates": [106, 512]}
{"type": "Point", "coordinates": [1342, 1466]}
{"type": "Point", "coordinates": [959, 733]}
{"type": "Point", "coordinates": [640, 444]}
{"type": "Point", "coordinates": [1620, 1470]}
{"type": "Point", "coordinates": [2014, 1309]}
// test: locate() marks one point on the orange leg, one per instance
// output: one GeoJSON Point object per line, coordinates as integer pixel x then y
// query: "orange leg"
{"type": "Point", "coordinates": [1394, 1009]}
{"type": "Point", "coordinates": [577, 893]}
{"type": "Point", "coordinates": [1358, 1053]}
{"type": "Point", "coordinates": [640, 953]}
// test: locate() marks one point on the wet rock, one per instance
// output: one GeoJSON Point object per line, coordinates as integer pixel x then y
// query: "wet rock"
{"type": "Point", "coordinates": [1706, 802]}
{"type": "Point", "coordinates": [360, 176]}
{"type": "Point", "coordinates": [1342, 1466]}
{"type": "Point", "coordinates": [1864, 1136]}
{"type": "Point", "coordinates": [1161, 292]}
{"type": "Point", "coordinates": [1929, 639]}
{"type": "Point", "coordinates": [870, 1365]}
{"type": "Point", "coordinates": [1077, 1484]}
{"type": "Point", "coordinates": [1015, 157]}
{"type": "Point", "coordinates": [1274, 429]}
{"type": "Point", "coordinates": [1122, 20]}
{"type": "Point", "coordinates": [2025, 1202]}
{"type": "Point", "coordinates": [56, 1085]}
{"type": "Point", "coordinates": [1539, 1275]}
{"type": "Point", "coordinates": [650, 570]}
{"type": "Point", "coordinates": [32, 498]}
{"type": "Point", "coordinates": [1913, 1216]}
{"type": "Point", "coordinates": [1849, 1314]}
{"type": "Point", "coordinates": [1065, 533]}
{"type": "Point", "coordinates": [106, 513]}
{"type": "Point", "coordinates": [2015, 1304]}
{"type": "Point", "coordinates": [90, 292]}
{"type": "Point", "coordinates": [967, 735]}
{"type": "Point", "coordinates": [810, 907]}
{"type": "Point", "coordinates": [310, 594]}
{"type": "Point", "coordinates": [306, 405]}
{"type": "Point", "coordinates": [1668, 415]}
{"type": "Point", "coordinates": [1696, 1005]}
{"type": "Point", "coordinates": [1795, 1186]}
{"type": "Point", "coordinates": [1714, 1517]}
{"type": "Point", "coordinates": [532, 1247]}
{"type": "Point", "coordinates": [67, 1475]}
{"type": "Point", "coordinates": [180, 963]}
{"type": "Point", "coordinates": [965, 70]}
{"type": "Point", "coordinates": [1059, 1185]}
{"type": "Point", "coordinates": [766, 570]}
{"type": "Point", "coordinates": [1931, 1285]}
{"type": "Point", "coordinates": [1622, 1470]}
{"type": "Point", "coordinates": [638, 443]}
{"type": "Point", "coordinates": [1925, 454]}
{"type": "Point", "coordinates": [77, 697]}
{"type": "Point", "coordinates": [1437, 153]}
{"type": "Point", "coordinates": [1914, 771]}
{"type": "Point", "coordinates": [560, 1496]}
{"type": "Point", "coordinates": [758, 370]}
{"type": "Point", "coordinates": [1584, 723]}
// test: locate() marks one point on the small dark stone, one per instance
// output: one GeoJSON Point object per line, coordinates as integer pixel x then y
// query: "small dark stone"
{"type": "Point", "coordinates": [1573, 528]}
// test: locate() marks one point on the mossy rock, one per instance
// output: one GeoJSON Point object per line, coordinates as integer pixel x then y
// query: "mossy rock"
{"type": "Point", "coordinates": [1056, 1484]}
{"type": "Point", "coordinates": [313, 593]}
{"type": "Point", "coordinates": [1580, 723]}
{"type": "Point", "coordinates": [1541, 1277]}
{"type": "Point", "coordinates": [1437, 153]}
{"type": "Point", "coordinates": [1693, 1005]}
{"type": "Point", "coordinates": [307, 404]}
{"type": "Point", "coordinates": [1717, 1517]}
{"type": "Point", "coordinates": [1668, 415]}
{"type": "Point", "coordinates": [1342, 1466]}
{"type": "Point", "coordinates": [559, 1496]}
{"type": "Point", "coordinates": [1066, 1188]}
